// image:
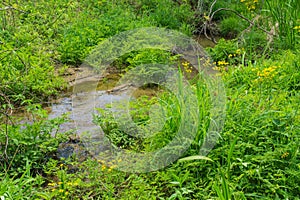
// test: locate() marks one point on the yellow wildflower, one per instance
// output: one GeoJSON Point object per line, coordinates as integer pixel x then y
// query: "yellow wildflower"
{"type": "Point", "coordinates": [60, 190]}
{"type": "Point", "coordinates": [188, 70]}
{"type": "Point", "coordinates": [187, 67]}
{"type": "Point", "coordinates": [185, 64]}
{"type": "Point", "coordinates": [286, 154]}
{"type": "Point", "coordinates": [206, 17]}
{"type": "Point", "coordinates": [297, 28]}
{"type": "Point", "coordinates": [267, 72]}
{"type": "Point", "coordinates": [51, 184]}
{"type": "Point", "coordinates": [75, 184]}
{"type": "Point", "coordinates": [222, 63]}
{"type": "Point", "coordinates": [101, 161]}
{"type": "Point", "coordinates": [113, 166]}
{"type": "Point", "coordinates": [217, 68]}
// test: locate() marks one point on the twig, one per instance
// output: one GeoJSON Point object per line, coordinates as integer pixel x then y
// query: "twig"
{"type": "Point", "coordinates": [211, 14]}
{"type": "Point", "coordinates": [250, 26]}
{"type": "Point", "coordinates": [7, 112]}
{"type": "Point", "coordinates": [241, 16]}
{"type": "Point", "coordinates": [211, 7]}
{"type": "Point", "coordinates": [6, 171]}
{"type": "Point", "coordinates": [6, 139]}
{"type": "Point", "coordinates": [207, 23]}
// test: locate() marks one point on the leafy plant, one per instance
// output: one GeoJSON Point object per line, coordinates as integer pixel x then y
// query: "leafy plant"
{"type": "Point", "coordinates": [23, 187]}
{"type": "Point", "coordinates": [31, 143]}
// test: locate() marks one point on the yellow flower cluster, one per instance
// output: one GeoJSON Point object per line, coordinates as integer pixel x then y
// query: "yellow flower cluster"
{"type": "Point", "coordinates": [222, 63]}
{"type": "Point", "coordinates": [251, 4]}
{"type": "Point", "coordinates": [297, 28]}
{"type": "Point", "coordinates": [221, 66]}
{"type": "Point", "coordinates": [51, 184]}
{"type": "Point", "coordinates": [72, 183]}
{"type": "Point", "coordinates": [236, 53]}
{"type": "Point", "coordinates": [61, 186]}
{"type": "Point", "coordinates": [187, 67]}
{"type": "Point", "coordinates": [61, 183]}
{"type": "Point", "coordinates": [109, 166]}
{"type": "Point", "coordinates": [240, 51]}
{"type": "Point", "coordinates": [267, 72]}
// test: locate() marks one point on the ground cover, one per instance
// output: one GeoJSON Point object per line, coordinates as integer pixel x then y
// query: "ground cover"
{"type": "Point", "coordinates": [257, 156]}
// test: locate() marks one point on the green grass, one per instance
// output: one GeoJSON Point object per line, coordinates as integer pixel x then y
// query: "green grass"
{"type": "Point", "coordinates": [286, 14]}
{"type": "Point", "coordinates": [257, 156]}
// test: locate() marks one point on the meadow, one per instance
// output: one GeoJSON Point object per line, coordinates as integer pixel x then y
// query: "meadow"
{"type": "Point", "coordinates": [256, 56]}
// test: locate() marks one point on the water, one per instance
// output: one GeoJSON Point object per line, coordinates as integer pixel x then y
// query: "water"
{"type": "Point", "coordinates": [86, 94]}
{"type": "Point", "coordinates": [81, 105]}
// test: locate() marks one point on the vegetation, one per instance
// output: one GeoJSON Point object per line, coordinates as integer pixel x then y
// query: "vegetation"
{"type": "Point", "coordinates": [256, 56]}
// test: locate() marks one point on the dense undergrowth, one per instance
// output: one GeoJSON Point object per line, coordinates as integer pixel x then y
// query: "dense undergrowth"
{"type": "Point", "coordinates": [257, 156]}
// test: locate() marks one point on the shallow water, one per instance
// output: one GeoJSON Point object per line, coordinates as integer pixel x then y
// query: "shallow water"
{"type": "Point", "coordinates": [89, 92]}
{"type": "Point", "coordinates": [92, 92]}
{"type": "Point", "coordinates": [80, 105]}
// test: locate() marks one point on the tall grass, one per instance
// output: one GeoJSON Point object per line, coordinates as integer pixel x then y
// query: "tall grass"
{"type": "Point", "coordinates": [286, 14]}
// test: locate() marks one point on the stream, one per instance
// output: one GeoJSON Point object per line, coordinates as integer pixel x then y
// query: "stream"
{"type": "Point", "coordinates": [100, 98]}
{"type": "Point", "coordinates": [86, 95]}
{"type": "Point", "coordinates": [78, 103]}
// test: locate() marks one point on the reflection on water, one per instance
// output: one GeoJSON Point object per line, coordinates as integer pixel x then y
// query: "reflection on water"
{"type": "Point", "coordinates": [81, 106]}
